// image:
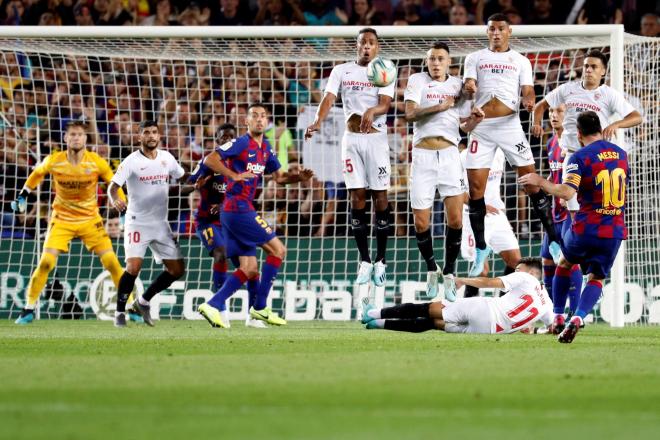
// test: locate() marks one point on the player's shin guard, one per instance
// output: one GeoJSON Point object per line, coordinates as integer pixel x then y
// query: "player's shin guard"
{"type": "Point", "coordinates": [418, 325]}
{"type": "Point", "coordinates": [470, 291]}
{"type": "Point", "coordinates": [425, 245]}
{"type": "Point", "coordinates": [164, 280]}
{"type": "Point", "coordinates": [542, 205]}
{"type": "Point", "coordinates": [126, 284]}
{"type": "Point", "coordinates": [452, 248]}
{"type": "Point", "coordinates": [382, 233]}
{"type": "Point", "coordinates": [219, 275]}
{"type": "Point", "coordinates": [361, 233]}
{"type": "Point", "coordinates": [231, 285]}
{"type": "Point", "coordinates": [406, 311]}
{"type": "Point", "coordinates": [39, 278]}
{"type": "Point", "coordinates": [589, 297]}
{"type": "Point", "coordinates": [111, 264]}
{"type": "Point", "coordinates": [477, 216]}
{"type": "Point", "coordinates": [560, 285]}
{"type": "Point", "coordinates": [576, 288]}
{"type": "Point", "coordinates": [268, 274]}
{"type": "Point", "coordinates": [548, 275]}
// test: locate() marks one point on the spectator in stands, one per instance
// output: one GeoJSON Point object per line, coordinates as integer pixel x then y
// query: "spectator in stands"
{"type": "Point", "coordinates": [279, 13]}
{"type": "Point", "coordinates": [194, 15]}
{"type": "Point", "coordinates": [601, 12]}
{"type": "Point", "coordinates": [230, 13]}
{"type": "Point", "coordinates": [237, 117]}
{"type": "Point", "coordinates": [162, 17]}
{"type": "Point", "coordinates": [513, 15]}
{"type": "Point", "coordinates": [323, 13]}
{"type": "Point", "coordinates": [13, 11]}
{"type": "Point", "coordinates": [458, 15]}
{"type": "Point", "coordinates": [440, 13]}
{"type": "Point", "coordinates": [363, 13]}
{"type": "Point", "coordinates": [184, 226]}
{"type": "Point", "coordinates": [83, 14]}
{"type": "Point", "coordinates": [650, 25]}
{"type": "Point", "coordinates": [409, 12]}
{"type": "Point", "coordinates": [541, 13]}
{"type": "Point", "coordinates": [113, 224]}
{"type": "Point", "coordinates": [494, 6]}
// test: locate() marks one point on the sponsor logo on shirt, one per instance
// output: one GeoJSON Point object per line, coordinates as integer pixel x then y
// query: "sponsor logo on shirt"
{"type": "Point", "coordinates": [351, 83]}
{"type": "Point", "coordinates": [571, 167]}
{"type": "Point", "coordinates": [498, 68]}
{"type": "Point", "coordinates": [255, 168]}
{"type": "Point", "coordinates": [582, 107]}
{"type": "Point", "coordinates": [155, 179]}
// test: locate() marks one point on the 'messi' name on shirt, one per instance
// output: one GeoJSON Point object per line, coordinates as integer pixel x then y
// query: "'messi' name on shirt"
{"type": "Point", "coordinates": [498, 68]}
{"type": "Point", "coordinates": [155, 179]}
{"type": "Point", "coordinates": [608, 155]}
{"type": "Point", "coordinates": [255, 168]}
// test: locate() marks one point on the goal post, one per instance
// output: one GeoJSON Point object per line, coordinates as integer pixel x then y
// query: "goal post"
{"type": "Point", "coordinates": [192, 79]}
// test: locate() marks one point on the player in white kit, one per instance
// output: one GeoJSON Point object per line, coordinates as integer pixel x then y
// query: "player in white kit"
{"type": "Point", "coordinates": [434, 103]}
{"type": "Point", "coordinates": [524, 303]}
{"type": "Point", "coordinates": [146, 173]}
{"type": "Point", "coordinates": [497, 75]}
{"type": "Point", "coordinates": [498, 232]}
{"type": "Point", "coordinates": [365, 153]}
{"type": "Point", "coordinates": [587, 94]}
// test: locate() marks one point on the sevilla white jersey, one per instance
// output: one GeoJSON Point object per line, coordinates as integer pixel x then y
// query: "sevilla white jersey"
{"type": "Point", "coordinates": [604, 100]}
{"type": "Point", "coordinates": [525, 302]}
{"type": "Point", "coordinates": [427, 92]}
{"type": "Point", "coordinates": [492, 194]}
{"type": "Point", "coordinates": [499, 75]}
{"type": "Point", "coordinates": [148, 182]}
{"type": "Point", "coordinates": [357, 93]}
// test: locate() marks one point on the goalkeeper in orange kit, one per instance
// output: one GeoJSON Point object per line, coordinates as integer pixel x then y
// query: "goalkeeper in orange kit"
{"type": "Point", "coordinates": [75, 173]}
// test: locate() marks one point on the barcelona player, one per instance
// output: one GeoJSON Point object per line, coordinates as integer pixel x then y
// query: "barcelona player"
{"type": "Point", "coordinates": [243, 162]}
{"type": "Point", "coordinates": [598, 173]}
{"type": "Point", "coordinates": [562, 222]}
{"type": "Point", "coordinates": [75, 173]}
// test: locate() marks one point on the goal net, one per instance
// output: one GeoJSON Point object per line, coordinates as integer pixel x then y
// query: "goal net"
{"type": "Point", "coordinates": [194, 80]}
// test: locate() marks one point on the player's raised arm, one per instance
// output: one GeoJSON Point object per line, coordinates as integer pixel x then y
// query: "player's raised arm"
{"type": "Point", "coordinates": [480, 282]}
{"type": "Point", "coordinates": [33, 181]}
{"type": "Point", "coordinates": [539, 110]}
{"type": "Point", "coordinates": [213, 163]}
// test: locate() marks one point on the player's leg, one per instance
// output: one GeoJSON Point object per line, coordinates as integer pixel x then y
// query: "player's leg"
{"type": "Point", "coordinates": [576, 273]}
{"type": "Point", "coordinates": [422, 219]}
{"type": "Point", "coordinates": [37, 282]}
{"type": "Point", "coordinates": [381, 205]}
{"type": "Point", "coordinates": [407, 317]}
{"type": "Point", "coordinates": [275, 253]}
{"type": "Point", "coordinates": [453, 235]}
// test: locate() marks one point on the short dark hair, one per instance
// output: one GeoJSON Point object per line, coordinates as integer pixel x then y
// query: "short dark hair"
{"type": "Point", "coordinates": [440, 45]}
{"type": "Point", "coordinates": [533, 262]}
{"type": "Point", "coordinates": [369, 30]}
{"type": "Point", "coordinates": [148, 123]}
{"type": "Point", "coordinates": [227, 126]}
{"type": "Point", "coordinates": [499, 17]}
{"type": "Point", "coordinates": [588, 123]}
{"type": "Point", "coordinates": [257, 104]}
{"type": "Point", "coordinates": [76, 124]}
{"type": "Point", "coordinates": [595, 53]}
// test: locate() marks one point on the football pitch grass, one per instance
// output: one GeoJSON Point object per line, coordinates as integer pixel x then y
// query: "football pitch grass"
{"type": "Point", "coordinates": [321, 380]}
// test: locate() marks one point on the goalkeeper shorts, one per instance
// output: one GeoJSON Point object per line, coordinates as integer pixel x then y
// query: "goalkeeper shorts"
{"type": "Point", "coordinates": [92, 233]}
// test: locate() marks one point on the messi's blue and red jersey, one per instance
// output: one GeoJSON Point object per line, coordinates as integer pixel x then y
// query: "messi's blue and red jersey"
{"type": "Point", "coordinates": [599, 172]}
{"type": "Point", "coordinates": [556, 161]}
{"type": "Point", "coordinates": [241, 155]}
{"type": "Point", "coordinates": [212, 193]}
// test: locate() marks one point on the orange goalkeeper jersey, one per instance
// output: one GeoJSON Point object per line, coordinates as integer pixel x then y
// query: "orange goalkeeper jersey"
{"type": "Point", "coordinates": [75, 185]}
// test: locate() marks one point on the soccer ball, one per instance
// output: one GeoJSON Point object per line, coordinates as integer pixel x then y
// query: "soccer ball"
{"type": "Point", "coordinates": [381, 72]}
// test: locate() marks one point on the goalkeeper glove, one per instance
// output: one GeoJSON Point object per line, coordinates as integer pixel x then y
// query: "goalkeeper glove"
{"type": "Point", "coordinates": [199, 171]}
{"type": "Point", "coordinates": [20, 204]}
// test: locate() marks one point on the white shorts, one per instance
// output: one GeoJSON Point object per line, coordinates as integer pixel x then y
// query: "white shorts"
{"type": "Point", "coordinates": [157, 236]}
{"type": "Point", "coordinates": [505, 133]}
{"type": "Point", "coordinates": [572, 204]}
{"type": "Point", "coordinates": [469, 315]}
{"type": "Point", "coordinates": [497, 232]}
{"type": "Point", "coordinates": [366, 160]}
{"type": "Point", "coordinates": [433, 170]}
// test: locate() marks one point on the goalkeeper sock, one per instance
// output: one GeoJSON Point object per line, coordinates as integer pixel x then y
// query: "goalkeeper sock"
{"type": "Point", "coordinates": [164, 280]}
{"type": "Point", "coordinates": [406, 311]}
{"type": "Point", "coordinates": [589, 297]}
{"type": "Point", "coordinates": [219, 275]}
{"type": "Point", "coordinates": [360, 233]}
{"type": "Point", "coordinates": [252, 288]}
{"type": "Point", "coordinates": [548, 275]}
{"type": "Point", "coordinates": [418, 325]}
{"type": "Point", "coordinates": [268, 274]}
{"type": "Point", "coordinates": [126, 284]}
{"type": "Point", "coordinates": [477, 215]}
{"type": "Point", "coordinates": [470, 291]}
{"type": "Point", "coordinates": [542, 205]}
{"type": "Point", "coordinates": [560, 285]}
{"type": "Point", "coordinates": [382, 233]}
{"type": "Point", "coordinates": [232, 284]}
{"type": "Point", "coordinates": [111, 264]}
{"type": "Point", "coordinates": [452, 248]}
{"type": "Point", "coordinates": [39, 278]}
{"type": "Point", "coordinates": [576, 288]}
{"type": "Point", "coordinates": [425, 245]}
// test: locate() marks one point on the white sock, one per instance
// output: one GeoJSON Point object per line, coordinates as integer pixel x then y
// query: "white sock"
{"type": "Point", "coordinates": [119, 313]}
{"type": "Point", "coordinates": [380, 323]}
{"type": "Point", "coordinates": [142, 301]}
{"type": "Point", "coordinates": [225, 315]}
{"type": "Point", "coordinates": [374, 313]}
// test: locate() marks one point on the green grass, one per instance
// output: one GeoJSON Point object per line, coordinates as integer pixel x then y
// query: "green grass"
{"type": "Point", "coordinates": [182, 379]}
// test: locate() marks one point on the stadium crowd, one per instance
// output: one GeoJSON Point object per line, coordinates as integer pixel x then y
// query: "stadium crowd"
{"type": "Point", "coordinates": [191, 100]}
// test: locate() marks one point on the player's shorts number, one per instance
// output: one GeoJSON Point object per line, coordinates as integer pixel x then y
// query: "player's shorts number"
{"type": "Point", "coordinates": [533, 311]}
{"type": "Point", "coordinates": [208, 235]}
{"type": "Point", "coordinates": [263, 223]}
{"type": "Point", "coordinates": [134, 237]}
{"type": "Point", "coordinates": [473, 146]}
{"type": "Point", "coordinates": [614, 187]}
{"type": "Point", "coordinates": [348, 165]}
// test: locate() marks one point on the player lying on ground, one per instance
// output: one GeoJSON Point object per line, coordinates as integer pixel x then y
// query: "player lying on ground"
{"type": "Point", "coordinates": [365, 153]}
{"type": "Point", "coordinates": [598, 174]}
{"type": "Point", "coordinates": [146, 173]}
{"type": "Point", "coordinates": [243, 162]}
{"type": "Point", "coordinates": [562, 222]}
{"type": "Point", "coordinates": [75, 173]}
{"type": "Point", "coordinates": [524, 303]}
{"type": "Point", "coordinates": [497, 75]}
{"type": "Point", "coordinates": [437, 107]}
